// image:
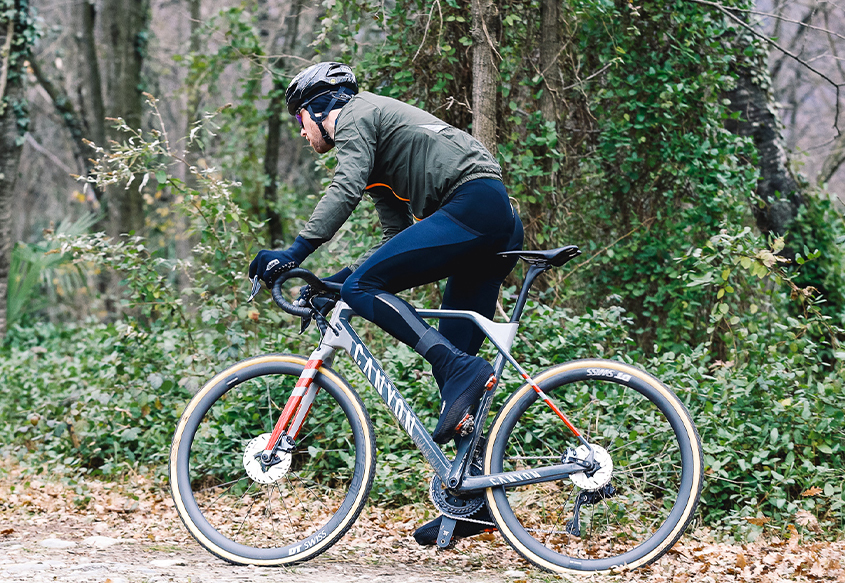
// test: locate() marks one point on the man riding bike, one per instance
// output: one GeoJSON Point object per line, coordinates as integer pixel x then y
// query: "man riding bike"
{"type": "Point", "coordinates": [444, 213]}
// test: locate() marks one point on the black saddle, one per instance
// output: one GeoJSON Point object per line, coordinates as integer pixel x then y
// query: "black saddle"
{"type": "Point", "coordinates": [550, 257]}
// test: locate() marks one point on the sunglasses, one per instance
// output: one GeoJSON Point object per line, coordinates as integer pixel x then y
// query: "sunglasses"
{"type": "Point", "coordinates": [299, 119]}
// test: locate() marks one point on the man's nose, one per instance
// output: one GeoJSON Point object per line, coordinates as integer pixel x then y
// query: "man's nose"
{"type": "Point", "coordinates": [302, 132]}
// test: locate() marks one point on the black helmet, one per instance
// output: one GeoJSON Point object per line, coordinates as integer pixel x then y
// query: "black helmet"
{"type": "Point", "coordinates": [318, 80]}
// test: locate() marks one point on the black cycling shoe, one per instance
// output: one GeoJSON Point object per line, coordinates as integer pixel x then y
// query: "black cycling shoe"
{"type": "Point", "coordinates": [426, 535]}
{"type": "Point", "coordinates": [461, 393]}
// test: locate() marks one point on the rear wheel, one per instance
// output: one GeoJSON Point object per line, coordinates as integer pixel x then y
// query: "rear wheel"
{"type": "Point", "coordinates": [297, 508]}
{"type": "Point", "coordinates": [629, 512]}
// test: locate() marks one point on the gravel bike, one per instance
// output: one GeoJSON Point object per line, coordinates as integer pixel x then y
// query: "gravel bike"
{"type": "Point", "coordinates": [592, 465]}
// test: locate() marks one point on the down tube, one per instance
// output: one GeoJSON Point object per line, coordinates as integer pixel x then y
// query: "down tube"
{"type": "Point", "coordinates": [396, 403]}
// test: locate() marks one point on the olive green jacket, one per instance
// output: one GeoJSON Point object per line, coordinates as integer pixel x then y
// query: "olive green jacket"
{"type": "Point", "coordinates": [408, 160]}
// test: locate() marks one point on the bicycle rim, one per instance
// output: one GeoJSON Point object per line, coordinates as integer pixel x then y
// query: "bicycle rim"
{"type": "Point", "coordinates": [656, 478]}
{"type": "Point", "coordinates": [304, 504]}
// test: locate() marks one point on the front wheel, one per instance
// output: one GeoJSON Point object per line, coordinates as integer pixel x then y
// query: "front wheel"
{"type": "Point", "coordinates": [294, 510]}
{"type": "Point", "coordinates": [629, 512]}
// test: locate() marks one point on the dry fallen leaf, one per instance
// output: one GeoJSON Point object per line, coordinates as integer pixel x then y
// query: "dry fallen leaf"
{"type": "Point", "coordinates": [757, 520]}
{"type": "Point", "coordinates": [741, 563]}
{"type": "Point", "coordinates": [814, 491]}
{"type": "Point", "coordinates": [807, 520]}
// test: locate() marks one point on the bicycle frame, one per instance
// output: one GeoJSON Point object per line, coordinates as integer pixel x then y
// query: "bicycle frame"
{"type": "Point", "coordinates": [340, 335]}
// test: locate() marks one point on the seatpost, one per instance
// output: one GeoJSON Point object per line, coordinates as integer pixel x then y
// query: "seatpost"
{"type": "Point", "coordinates": [534, 269]}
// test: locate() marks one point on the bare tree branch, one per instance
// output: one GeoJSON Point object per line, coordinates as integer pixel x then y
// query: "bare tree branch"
{"type": "Point", "coordinates": [427, 26]}
{"type": "Point", "coordinates": [726, 10]}
{"type": "Point", "coordinates": [48, 154]}
{"type": "Point", "coordinates": [803, 22]}
{"type": "Point", "coordinates": [833, 161]}
{"type": "Point", "coordinates": [795, 40]}
{"type": "Point", "coordinates": [72, 120]}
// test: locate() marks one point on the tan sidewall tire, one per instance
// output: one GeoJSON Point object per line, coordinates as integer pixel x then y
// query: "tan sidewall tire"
{"type": "Point", "coordinates": [242, 370]}
{"type": "Point", "coordinates": [495, 434]}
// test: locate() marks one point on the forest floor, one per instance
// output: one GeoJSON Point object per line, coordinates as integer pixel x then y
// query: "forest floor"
{"type": "Point", "coordinates": [103, 532]}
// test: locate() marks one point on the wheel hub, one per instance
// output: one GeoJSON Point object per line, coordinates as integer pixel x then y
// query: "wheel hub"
{"type": "Point", "coordinates": [262, 474]}
{"type": "Point", "coordinates": [601, 476]}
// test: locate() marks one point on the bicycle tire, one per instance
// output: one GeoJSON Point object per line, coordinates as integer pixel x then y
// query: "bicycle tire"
{"type": "Point", "coordinates": [309, 504]}
{"type": "Point", "coordinates": [657, 468]}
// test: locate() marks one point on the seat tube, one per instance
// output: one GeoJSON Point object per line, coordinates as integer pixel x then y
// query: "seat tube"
{"type": "Point", "coordinates": [533, 272]}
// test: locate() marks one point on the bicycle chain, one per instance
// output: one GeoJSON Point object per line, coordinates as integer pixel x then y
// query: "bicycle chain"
{"type": "Point", "coordinates": [466, 519]}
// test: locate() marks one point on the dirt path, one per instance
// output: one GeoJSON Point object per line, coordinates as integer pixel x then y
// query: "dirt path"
{"type": "Point", "coordinates": [120, 533]}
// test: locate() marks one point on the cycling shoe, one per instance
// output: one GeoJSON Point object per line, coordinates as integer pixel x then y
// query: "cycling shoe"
{"type": "Point", "coordinates": [463, 389]}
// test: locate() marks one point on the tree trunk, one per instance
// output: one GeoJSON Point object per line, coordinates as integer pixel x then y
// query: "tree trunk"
{"type": "Point", "coordinates": [778, 192]}
{"type": "Point", "coordinates": [184, 241]}
{"type": "Point", "coordinates": [779, 195]}
{"type": "Point", "coordinates": [93, 108]}
{"type": "Point", "coordinates": [485, 72]}
{"type": "Point", "coordinates": [550, 45]}
{"type": "Point", "coordinates": [126, 37]}
{"type": "Point", "coordinates": [275, 111]}
{"type": "Point", "coordinates": [13, 51]}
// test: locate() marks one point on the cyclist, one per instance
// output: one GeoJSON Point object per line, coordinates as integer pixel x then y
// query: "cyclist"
{"type": "Point", "coordinates": [444, 213]}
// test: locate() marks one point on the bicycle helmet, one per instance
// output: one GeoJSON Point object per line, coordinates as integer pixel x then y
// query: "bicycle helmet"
{"type": "Point", "coordinates": [318, 80]}
{"type": "Point", "coordinates": [323, 84]}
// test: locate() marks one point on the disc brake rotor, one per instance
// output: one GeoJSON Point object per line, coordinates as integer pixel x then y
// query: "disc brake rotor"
{"type": "Point", "coordinates": [601, 476]}
{"type": "Point", "coordinates": [253, 467]}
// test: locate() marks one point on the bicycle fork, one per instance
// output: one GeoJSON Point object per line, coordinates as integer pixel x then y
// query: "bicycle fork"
{"type": "Point", "coordinates": [298, 405]}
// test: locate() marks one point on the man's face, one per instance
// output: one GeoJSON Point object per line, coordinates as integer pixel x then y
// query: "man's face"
{"type": "Point", "coordinates": [311, 132]}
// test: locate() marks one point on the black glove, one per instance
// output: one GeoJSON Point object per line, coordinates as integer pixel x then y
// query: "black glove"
{"type": "Point", "coordinates": [268, 265]}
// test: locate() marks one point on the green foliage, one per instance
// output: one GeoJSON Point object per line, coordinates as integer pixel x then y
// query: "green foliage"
{"type": "Point", "coordinates": [767, 403]}
{"type": "Point", "coordinates": [97, 397]}
{"type": "Point", "coordinates": [637, 169]}
{"type": "Point", "coordinates": [819, 226]}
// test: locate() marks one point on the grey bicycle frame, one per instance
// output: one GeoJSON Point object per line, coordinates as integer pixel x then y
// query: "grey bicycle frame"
{"type": "Point", "coordinates": [340, 335]}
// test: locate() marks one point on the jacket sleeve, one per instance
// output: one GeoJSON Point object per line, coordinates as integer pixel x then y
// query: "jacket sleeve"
{"type": "Point", "coordinates": [394, 215]}
{"type": "Point", "coordinates": [355, 144]}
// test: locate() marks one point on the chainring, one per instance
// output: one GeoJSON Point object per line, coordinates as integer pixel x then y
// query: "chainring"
{"type": "Point", "coordinates": [450, 505]}
{"type": "Point", "coordinates": [253, 467]}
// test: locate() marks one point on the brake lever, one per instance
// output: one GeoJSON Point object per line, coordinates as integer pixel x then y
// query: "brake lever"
{"type": "Point", "coordinates": [256, 287]}
{"type": "Point", "coordinates": [305, 320]}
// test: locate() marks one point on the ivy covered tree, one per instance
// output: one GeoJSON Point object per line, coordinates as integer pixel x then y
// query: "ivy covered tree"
{"type": "Point", "coordinates": [17, 33]}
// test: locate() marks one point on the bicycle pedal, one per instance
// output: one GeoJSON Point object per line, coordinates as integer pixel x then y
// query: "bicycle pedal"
{"type": "Point", "coordinates": [466, 425]}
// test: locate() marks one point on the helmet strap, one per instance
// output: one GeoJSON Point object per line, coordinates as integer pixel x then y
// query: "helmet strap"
{"type": "Point", "coordinates": [340, 95]}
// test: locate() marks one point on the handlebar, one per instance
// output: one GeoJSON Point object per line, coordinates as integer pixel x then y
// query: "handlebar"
{"type": "Point", "coordinates": [317, 285]}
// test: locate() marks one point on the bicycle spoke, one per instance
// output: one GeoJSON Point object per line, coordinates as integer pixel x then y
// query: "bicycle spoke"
{"type": "Point", "coordinates": [293, 489]}
{"type": "Point", "coordinates": [270, 509]}
{"type": "Point", "coordinates": [560, 514]}
{"type": "Point", "coordinates": [208, 505]}
{"type": "Point", "coordinates": [248, 512]}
